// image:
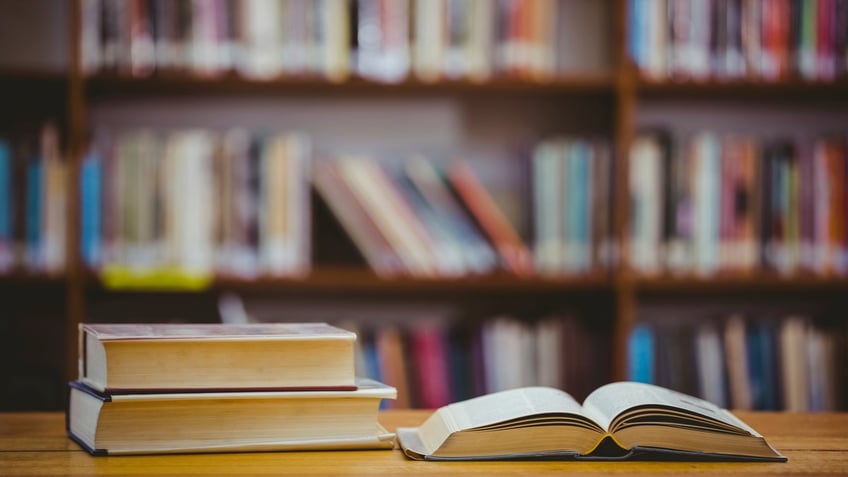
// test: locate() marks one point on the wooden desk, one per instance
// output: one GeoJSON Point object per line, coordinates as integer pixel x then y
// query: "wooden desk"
{"type": "Point", "coordinates": [36, 444]}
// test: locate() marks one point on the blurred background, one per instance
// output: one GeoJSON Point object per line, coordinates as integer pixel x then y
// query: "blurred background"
{"type": "Point", "coordinates": [491, 193]}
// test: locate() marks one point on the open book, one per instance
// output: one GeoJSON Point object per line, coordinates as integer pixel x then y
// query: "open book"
{"type": "Point", "coordinates": [620, 420]}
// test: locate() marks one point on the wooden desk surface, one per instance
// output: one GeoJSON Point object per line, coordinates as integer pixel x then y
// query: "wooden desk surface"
{"type": "Point", "coordinates": [36, 444]}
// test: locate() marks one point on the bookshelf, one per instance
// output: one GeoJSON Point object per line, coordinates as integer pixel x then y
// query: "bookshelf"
{"type": "Point", "coordinates": [604, 95]}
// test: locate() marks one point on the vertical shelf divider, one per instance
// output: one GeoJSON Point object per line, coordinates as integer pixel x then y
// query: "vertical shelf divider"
{"type": "Point", "coordinates": [75, 277]}
{"type": "Point", "coordinates": [625, 107]}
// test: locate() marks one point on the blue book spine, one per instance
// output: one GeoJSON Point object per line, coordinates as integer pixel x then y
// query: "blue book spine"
{"type": "Point", "coordinates": [5, 193]}
{"type": "Point", "coordinates": [641, 351]}
{"type": "Point", "coordinates": [762, 364]}
{"type": "Point", "coordinates": [636, 31]}
{"type": "Point", "coordinates": [32, 221]}
{"type": "Point", "coordinates": [90, 207]}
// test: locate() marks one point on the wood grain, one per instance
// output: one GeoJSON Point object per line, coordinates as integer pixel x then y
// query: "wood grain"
{"type": "Point", "coordinates": [34, 444]}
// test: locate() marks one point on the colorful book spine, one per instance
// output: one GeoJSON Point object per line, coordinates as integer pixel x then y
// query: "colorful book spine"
{"type": "Point", "coordinates": [6, 207]}
{"type": "Point", "coordinates": [770, 40]}
{"type": "Point", "coordinates": [640, 356]}
{"type": "Point", "coordinates": [91, 183]}
{"type": "Point", "coordinates": [33, 213]}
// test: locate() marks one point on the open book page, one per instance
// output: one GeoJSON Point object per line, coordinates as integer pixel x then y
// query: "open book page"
{"type": "Point", "coordinates": [608, 401]}
{"type": "Point", "coordinates": [530, 409]}
{"type": "Point", "coordinates": [509, 405]}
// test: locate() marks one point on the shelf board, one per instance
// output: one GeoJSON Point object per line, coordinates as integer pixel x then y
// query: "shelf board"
{"type": "Point", "coordinates": [19, 278]}
{"type": "Point", "coordinates": [742, 90]}
{"type": "Point", "coordinates": [25, 90]}
{"type": "Point", "coordinates": [736, 284]}
{"type": "Point", "coordinates": [108, 85]}
{"type": "Point", "coordinates": [32, 74]}
{"type": "Point", "coordinates": [356, 280]}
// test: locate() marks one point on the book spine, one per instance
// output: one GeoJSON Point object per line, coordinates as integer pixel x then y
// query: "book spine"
{"type": "Point", "coordinates": [91, 183]}
{"type": "Point", "coordinates": [641, 354]}
{"type": "Point", "coordinates": [6, 207]}
{"type": "Point", "coordinates": [546, 190]}
{"type": "Point", "coordinates": [513, 252]}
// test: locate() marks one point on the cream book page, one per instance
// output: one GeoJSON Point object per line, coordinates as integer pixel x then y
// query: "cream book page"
{"type": "Point", "coordinates": [608, 401]}
{"type": "Point", "coordinates": [508, 405]}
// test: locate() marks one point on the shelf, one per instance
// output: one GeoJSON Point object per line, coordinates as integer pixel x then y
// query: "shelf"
{"type": "Point", "coordinates": [355, 280]}
{"type": "Point", "coordinates": [31, 279]}
{"type": "Point", "coordinates": [767, 283]}
{"type": "Point", "coordinates": [744, 90]}
{"type": "Point", "coordinates": [23, 75]}
{"type": "Point", "coordinates": [111, 85]}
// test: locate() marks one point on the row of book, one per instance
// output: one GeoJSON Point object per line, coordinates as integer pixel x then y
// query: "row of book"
{"type": "Point", "coordinates": [709, 203]}
{"type": "Point", "coordinates": [737, 39]}
{"type": "Point", "coordinates": [417, 220]}
{"type": "Point", "coordinates": [791, 363]}
{"type": "Point", "coordinates": [222, 388]}
{"type": "Point", "coordinates": [435, 363]}
{"type": "Point", "coordinates": [33, 198]}
{"type": "Point", "coordinates": [572, 206]}
{"type": "Point", "coordinates": [380, 39]}
{"type": "Point", "coordinates": [421, 218]}
{"type": "Point", "coordinates": [180, 206]}
{"type": "Point", "coordinates": [193, 202]}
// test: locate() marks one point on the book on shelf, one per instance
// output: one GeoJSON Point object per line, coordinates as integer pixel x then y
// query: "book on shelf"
{"type": "Point", "coordinates": [172, 209]}
{"type": "Point", "coordinates": [356, 221]}
{"type": "Point", "coordinates": [425, 181]}
{"type": "Point", "coordinates": [514, 253]}
{"type": "Point", "coordinates": [727, 203]}
{"type": "Point", "coordinates": [382, 40]}
{"type": "Point", "coordinates": [572, 187]}
{"type": "Point", "coordinates": [724, 40]}
{"type": "Point", "coordinates": [438, 361]}
{"type": "Point", "coordinates": [197, 422]}
{"type": "Point", "coordinates": [381, 197]}
{"type": "Point", "coordinates": [136, 358]}
{"type": "Point", "coordinates": [408, 220]}
{"type": "Point", "coordinates": [7, 257]}
{"type": "Point", "coordinates": [430, 369]}
{"type": "Point", "coordinates": [33, 198]}
{"type": "Point", "coordinates": [623, 420]}
{"type": "Point", "coordinates": [744, 362]}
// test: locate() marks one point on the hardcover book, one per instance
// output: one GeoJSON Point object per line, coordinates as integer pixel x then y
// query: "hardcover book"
{"type": "Point", "coordinates": [150, 358]}
{"type": "Point", "coordinates": [624, 420]}
{"type": "Point", "coordinates": [113, 424]}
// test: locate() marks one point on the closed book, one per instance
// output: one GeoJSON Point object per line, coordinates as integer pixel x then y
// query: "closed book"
{"type": "Point", "coordinates": [106, 424]}
{"type": "Point", "coordinates": [132, 358]}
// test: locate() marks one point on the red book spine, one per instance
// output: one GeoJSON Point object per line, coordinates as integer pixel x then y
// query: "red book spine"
{"type": "Point", "coordinates": [430, 357]}
{"type": "Point", "coordinates": [825, 36]}
{"type": "Point", "coordinates": [514, 253]}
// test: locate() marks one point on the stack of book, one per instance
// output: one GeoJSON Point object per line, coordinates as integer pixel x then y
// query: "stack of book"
{"type": "Point", "coordinates": [171, 388]}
